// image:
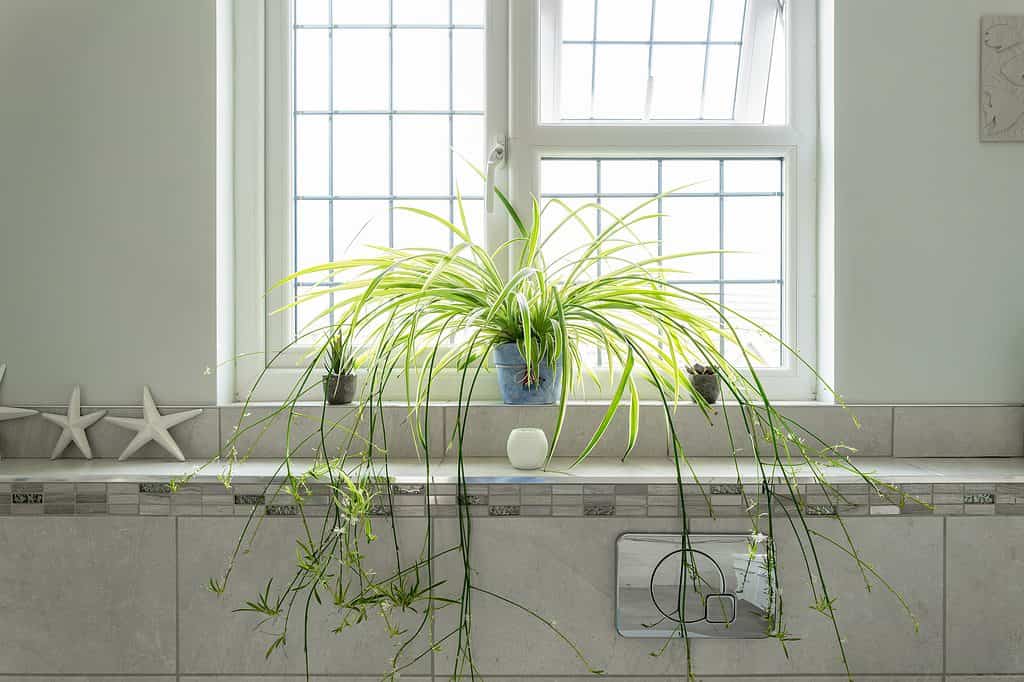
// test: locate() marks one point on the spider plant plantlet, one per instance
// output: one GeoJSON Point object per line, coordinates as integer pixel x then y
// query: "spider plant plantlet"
{"type": "Point", "coordinates": [433, 314]}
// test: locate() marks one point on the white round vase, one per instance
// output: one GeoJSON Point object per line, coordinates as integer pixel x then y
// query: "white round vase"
{"type": "Point", "coordinates": [527, 448]}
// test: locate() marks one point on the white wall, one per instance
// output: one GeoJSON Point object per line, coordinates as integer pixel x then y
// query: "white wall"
{"type": "Point", "coordinates": [930, 222]}
{"type": "Point", "coordinates": [107, 204]}
{"type": "Point", "coordinates": [107, 199]}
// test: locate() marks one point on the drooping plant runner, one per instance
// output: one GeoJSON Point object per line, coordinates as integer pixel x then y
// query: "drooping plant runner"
{"type": "Point", "coordinates": [422, 316]}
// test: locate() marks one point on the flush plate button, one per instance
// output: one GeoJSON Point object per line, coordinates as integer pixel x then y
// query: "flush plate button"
{"type": "Point", "coordinates": [725, 593]}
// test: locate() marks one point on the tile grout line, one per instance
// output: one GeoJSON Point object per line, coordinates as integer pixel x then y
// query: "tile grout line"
{"type": "Point", "coordinates": [945, 555]}
{"type": "Point", "coordinates": [220, 429]}
{"type": "Point", "coordinates": [433, 654]}
{"type": "Point", "coordinates": [177, 603]}
{"type": "Point", "coordinates": [892, 431]}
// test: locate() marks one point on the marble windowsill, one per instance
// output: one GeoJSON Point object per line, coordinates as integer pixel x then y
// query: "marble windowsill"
{"type": "Point", "coordinates": [493, 470]}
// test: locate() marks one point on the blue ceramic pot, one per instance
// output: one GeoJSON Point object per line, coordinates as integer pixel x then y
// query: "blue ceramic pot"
{"type": "Point", "coordinates": [512, 379]}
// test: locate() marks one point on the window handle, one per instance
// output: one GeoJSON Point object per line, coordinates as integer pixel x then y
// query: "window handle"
{"type": "Point", "coordinates": [495, 160]}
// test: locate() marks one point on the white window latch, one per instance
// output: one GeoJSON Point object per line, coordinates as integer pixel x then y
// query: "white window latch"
{"type": "Point", "coordinates": [495, 160]}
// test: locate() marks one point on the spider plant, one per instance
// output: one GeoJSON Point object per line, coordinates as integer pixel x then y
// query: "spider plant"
{"type": "Point", "coordinates": [430, 314]}
{"type": "Point", "coordinates": [338, 358]}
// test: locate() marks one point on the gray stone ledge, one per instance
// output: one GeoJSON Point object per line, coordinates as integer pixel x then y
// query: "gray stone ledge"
{"type": "Point", "coordinates": [494, 470]}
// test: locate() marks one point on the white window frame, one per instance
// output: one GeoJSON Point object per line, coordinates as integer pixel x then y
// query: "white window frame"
{"type": "Point", "coordinates": [262, 175]}
{"type": "Point", "coordinates": [531, 138]}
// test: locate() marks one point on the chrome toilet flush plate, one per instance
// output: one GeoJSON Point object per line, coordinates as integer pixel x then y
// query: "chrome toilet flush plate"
{"type": "Point", "coordinates": [726, 593]}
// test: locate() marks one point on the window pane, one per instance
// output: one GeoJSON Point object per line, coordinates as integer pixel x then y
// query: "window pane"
{"type": "Point", "coordinates": [360, 12]}
{"type": "Point", "coordinates": [577, 19]}
{"type": "Point", "coordinates": [468, 12]}
{"type": "Point", "coordinates": [629, 177]}
{"type": "Point", "coordinates": [727, 21]}
{"type": "Point", "coordinates": [691, 224]}
{"type": "Point", "coordinates": [762, 303]}
{"type": "Point", "coordinates": [413, 230]}
{"type": "Point", "coordinates": [361, 156]}
{"type": "Point", "coordinates": [569, 177]}
{"type": "Point", "coordinates": [421, 11]}
{"type": "Point", "coordinates": [678, 72]}
{"type": "Point", "coordinates": [760, 175]}
{"type": "Point", "coordinates": [775, 106]}
{"type": "Point", "coordinates": [577, 69]}
{"type": "Point", "coordinates": [689, 176]}
{"type": "Point", "coordinates": [391, 105]}
{"type": "Point", "coordinates": [620, 81]}
{"type": "Point", "coordinates": [421, 156]}
{"type": "Point", "coordinates": [312, 225]}
{"type": "Point", "coordinates": [359, 224]}
{"type": "Point", "coordinates": [311, 74]}
{"type": "Point", "coordinates": [753, 237]}
{"type": "Point", "coordinates": [421, 70]}
{"type": "Point", "coordinates": [681, 20]}
{"type": "Point", "coordinates": [468, 70]}
{"type": "Point", "coordinates": [642, 59]}
{"type": "Point", "coordinates": [745, 217]}
{"type": "Point", "coordinates": [312, 12]}
{"type": "Point", "coordinates": [312, 144]}
{"type": "Point", "coordinates": [641, 233]}
{"type": "Point", "coordinates": [468, 140]}
{"type": "Point", "coordinates": [720, 83]}
{"type": "Point", "coordinates": [360, 70]}
{"type": "Point", "coordinates": [564, 234]}
{"type": "Point", "coordinates": [475, 219]}
{"type": "Point", "coordinates": [305, 314]}
{"type": "Point", "coordinates": [623, 19]}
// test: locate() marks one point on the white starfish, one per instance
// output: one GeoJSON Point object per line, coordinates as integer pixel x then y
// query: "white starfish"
{"type": "Point", "coordinates": [12, 412]}
{"type": "Point", "coordinates": [153, 427]}
{"type": "Point", "coordinates": [74, 425]}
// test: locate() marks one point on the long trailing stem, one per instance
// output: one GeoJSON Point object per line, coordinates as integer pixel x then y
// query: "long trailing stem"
{"type": "Point", "coordinates": [411, 318]}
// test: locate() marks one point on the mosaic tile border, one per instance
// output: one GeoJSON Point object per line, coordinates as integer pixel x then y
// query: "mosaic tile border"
{"type": "Point", "coordinates": [511, 500]}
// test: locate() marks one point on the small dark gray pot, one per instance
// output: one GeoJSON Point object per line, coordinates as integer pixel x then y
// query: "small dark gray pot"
{"type": "Point", "coordinates": [707, 385]}
{"type": "Point", "coordinates": [340, 389]}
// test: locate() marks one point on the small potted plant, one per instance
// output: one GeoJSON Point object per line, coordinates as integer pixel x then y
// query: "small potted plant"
{"type": "Point", "coordinates": [521, 384]}
{"type": "Point", "coordinates": [339, 366]}
{"type": "Point", "coordinates": [704, 381]}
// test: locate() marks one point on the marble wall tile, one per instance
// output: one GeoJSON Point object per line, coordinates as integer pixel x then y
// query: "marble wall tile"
{"type": "Point", "coordinates": [909, 431]}
{"type": "Point", "coordinates": [489, 425]}
{"type": "Point", "coordinates": [294, 678]}
{"type": "Point", "coordinates": [215, 641]}
{"type": "Point", "coordinates": [568, 575]}
{"type": "Point", "coordinates": [87, 596]}
{"type": "Point", "coordinates": [91, 678]}
{"type": "Point", "coordinates": [967, 431]}
{"type": "Point", "coordinates": [264, 435]}
{"type": "Point", "coordinates": [835, 425]}
{"type": "Point", "coordinates": [984, 593]}
{"type": "Point", "coordinates": [34, 437]}
{"type": "Point", "coordinates": [782, 678]}
{"type": "Point", "coordinates": [831, 424]}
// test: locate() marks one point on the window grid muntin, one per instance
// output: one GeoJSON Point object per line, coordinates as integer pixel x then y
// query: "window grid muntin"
{"type": "Point", "coordinates": [722, 281]}
{"type": "Point", "coordinates": [651, 43]}
{"type": "Point", "coordinates": [391, 112]}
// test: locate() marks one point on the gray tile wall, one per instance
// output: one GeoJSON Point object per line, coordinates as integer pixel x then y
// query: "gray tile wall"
{"type": "Point", "coordinates": [34, 437]}
{"type": "Point", "coordinates": [124, 598]}
{"type": "Point", "coordinates": [972, 431]}
{"type": "Point", "coordinates": [91, 596]}
{"type": "Point", "coordinates": [903, 431]}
